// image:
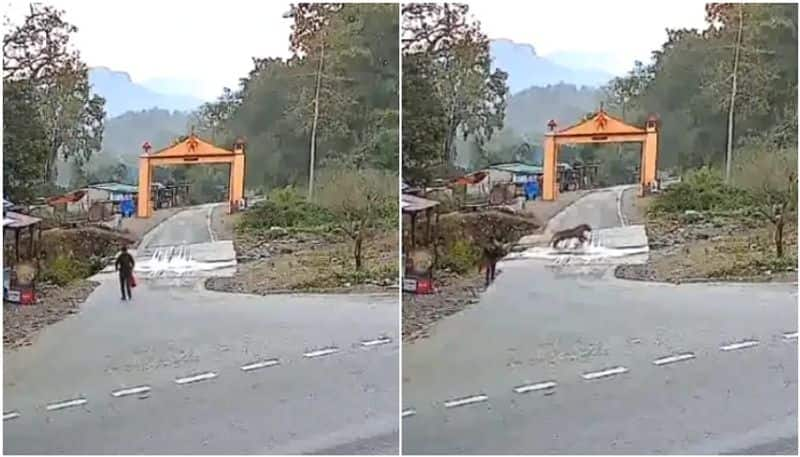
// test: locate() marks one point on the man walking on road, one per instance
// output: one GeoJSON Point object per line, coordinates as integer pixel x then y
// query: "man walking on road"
{"type": "Point", "coordinates": [124, 265]}
{"type": "Point", "coordinates": [493, 251]}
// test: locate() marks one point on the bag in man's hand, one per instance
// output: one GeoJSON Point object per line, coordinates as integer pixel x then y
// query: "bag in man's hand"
{"type": "Point", "coordinates": [133, 280]}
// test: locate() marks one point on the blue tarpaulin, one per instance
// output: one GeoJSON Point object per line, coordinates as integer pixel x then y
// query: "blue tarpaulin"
{"type": "Point", "coordinates": [531, 190]}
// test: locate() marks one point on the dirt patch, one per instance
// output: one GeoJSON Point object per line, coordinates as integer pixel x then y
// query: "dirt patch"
{"type": "Point", "coordinates": [305, 262]}
{"type": "Point", "coordinates": [697, 247]}
{"type": "Point", "coordinates": [21, 323]}
{"type": "Point", "coordinates": [223, 224]}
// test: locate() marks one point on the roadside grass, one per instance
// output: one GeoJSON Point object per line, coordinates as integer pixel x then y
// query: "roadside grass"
{"type": "Point", "coordinates": [715, 231]}
{"type": "Point", "coordinates": [312, 251]}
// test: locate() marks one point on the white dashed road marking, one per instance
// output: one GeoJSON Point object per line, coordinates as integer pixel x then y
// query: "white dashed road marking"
{"type": "Point", "coordinates": [409, 412]}
{"type": "Point", "coordinates": [465, 401]}
{"type": "Point", "coordinates": [673, 359]}
{"type": "Point", "coordinates": [604, 373]}
{"type": "Point", "coordinates": [10, 415]}
{"type": "Point", "coordinates": [790, 336]}
{"type": "Point", "coordinates": [131, 391]}
{"type": "Point", "coordinates": [535, 387]}
{"type": "Point", "coordinates": [321, 352]}
{"type": "Point", "coordinates": [66, 404]}
{"type": "Point", "coordinates": [741, 345]}
{"type": "Point", "coordinates": [259, 365]}
{"type": "Point", "coordinates": [379, 341]}
{"type": "Point", "coordinates": [195, 378]}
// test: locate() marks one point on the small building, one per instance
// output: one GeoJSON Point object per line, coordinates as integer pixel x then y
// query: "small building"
{"type": "Point", "coordinates": [111, 191]}
{"type": "Point", "coordinates": [517, 172]}
{"type": "Point", "coordinates": [72, 202]}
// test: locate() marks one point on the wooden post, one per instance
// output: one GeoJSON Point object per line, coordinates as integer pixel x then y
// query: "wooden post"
{"type": "Point", "coordinates": [413, 229]}
{"type": "Point", "coordinates": [30, 242]}
{"type": "Point", "coordinates": [428, 225]}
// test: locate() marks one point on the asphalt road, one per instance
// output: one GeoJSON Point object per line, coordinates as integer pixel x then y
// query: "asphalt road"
{"type": "Point", "coordinates": [557, 330]}
{"type": "Point", "coordinates": [318, 386]}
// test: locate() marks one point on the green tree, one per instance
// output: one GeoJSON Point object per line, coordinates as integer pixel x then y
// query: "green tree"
{"type": "Point", "coordinates": [424, 122]}
{"type": "Point", "coordinates": [473, 97]}
{"type": "Point", "coordinates": [25, 147]}
{"type": "Point", "coordinates": [361, 201]}
{"type": "Point", "coordinates": [39, 51]}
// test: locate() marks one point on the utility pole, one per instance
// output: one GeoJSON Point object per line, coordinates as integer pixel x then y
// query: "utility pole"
{"type": "Point", "coordinates": [314, 122]}
{"type": "Point", "coordinates": [729, 149]}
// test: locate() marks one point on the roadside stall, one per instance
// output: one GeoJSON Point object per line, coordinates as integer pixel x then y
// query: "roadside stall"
{"type": "Point", "coordinates": [20, 268]}
{"type": "Point", "coordinates": [419, 260]}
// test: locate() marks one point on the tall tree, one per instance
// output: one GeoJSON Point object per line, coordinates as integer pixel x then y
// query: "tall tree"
{"type": "Point", "coordinates": [473, 97]}
{"type": "Point", "coordinates": [25, 146]}
{"type": "Point", "coordinates": [39, 51]}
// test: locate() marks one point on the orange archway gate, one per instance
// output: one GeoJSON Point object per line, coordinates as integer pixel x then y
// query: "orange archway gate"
{"type": "Point", "coordinates": [601, 128]}
{"type": "Point", "coordinates": [191, 151]}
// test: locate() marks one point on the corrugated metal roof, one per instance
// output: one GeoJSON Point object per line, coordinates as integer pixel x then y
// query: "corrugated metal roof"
{"type": "Point", "coordinates": [413, 204]}
{"type": "Point", "coordinates": [19, 220]}
{"type": "Point", "coordinates": [116, 187]}
{"type": "Point", "coordinates": [519, 168]}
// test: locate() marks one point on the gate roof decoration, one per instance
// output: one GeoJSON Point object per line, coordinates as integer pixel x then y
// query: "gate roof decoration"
{"type": "Point", "coordinates": [601, 123]}
{"type": "Point", "coordinates": [192, 146]}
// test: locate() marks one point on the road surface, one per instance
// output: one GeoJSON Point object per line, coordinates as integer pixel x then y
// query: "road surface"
{"type": "Point", "coordinates": [183, 370]}
{"type": "Point", "coordinates": [568, 359]}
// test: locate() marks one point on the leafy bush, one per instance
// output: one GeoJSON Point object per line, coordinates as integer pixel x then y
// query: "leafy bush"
{"type": "Point", "coordinates": [461, 256]}
{"type": "Point", "coordinates": [285, 208]}
{"type": "Point", "coordinates": [361, 201]}
{"type": "Point", "coordinates": [701, 190]}
{"type": "Point", "coordinates": [62, 270]}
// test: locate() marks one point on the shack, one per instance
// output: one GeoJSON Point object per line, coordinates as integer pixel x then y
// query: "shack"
{"type": "Point", "coordinates": [419, 263]}
{"type": "Point", "coordinates": [413, 206]}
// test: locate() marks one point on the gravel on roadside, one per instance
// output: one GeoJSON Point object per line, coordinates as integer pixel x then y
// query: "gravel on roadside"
{"type": "Point", "coordinates": [21, 323]}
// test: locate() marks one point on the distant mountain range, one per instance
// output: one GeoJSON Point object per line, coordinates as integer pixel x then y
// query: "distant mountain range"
{"type": "Point", "coordinates": [527, 69]}
{"type": "Point", "coordinates": [123, 95]}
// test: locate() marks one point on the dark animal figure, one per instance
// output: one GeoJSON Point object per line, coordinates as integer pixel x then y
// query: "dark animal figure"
{"type": "Point", "coordinates": [579, 233]}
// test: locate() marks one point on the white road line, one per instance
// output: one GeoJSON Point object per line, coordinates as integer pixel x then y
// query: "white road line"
{"type": "Point", "coordinates": [604, 373]}
{"type": "Point", "coordinates": [321, 352]}
{"type": "Point", "coordinates": [409, 412]}
{"type": "Point", "coordinates": [673, 359]}
{"type": "Point", "coordinates": [742, 345]}
{"type": "Point", "coordinates": [465, 401]}
{"type": "Point", "coordinates": [619, 207]}
{"type": "Point", "coordinates": [534, 387]}
{"type": "Point", "coordinates": [790, 336]}
{"type": "Point", "coordinates": [10, 415]}
{"type": "Point", "coordinates": [259, 365]}
{"type": "Point", "coordinates": [379, 341]}
{"type": "Point", "coordinates": [209, 216]}
{"type": "Point", "coordinates": [67, 404]}
{"type": "Point", "coordinates": [195, 378]}
{"type": "Point", "coordinates": [131, 391]}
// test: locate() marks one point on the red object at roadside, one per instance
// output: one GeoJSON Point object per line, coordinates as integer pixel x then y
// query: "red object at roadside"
{"type": "Point", "coordinates": [424, 286]}
{"type": "Point", "coordinates": [27, 297]}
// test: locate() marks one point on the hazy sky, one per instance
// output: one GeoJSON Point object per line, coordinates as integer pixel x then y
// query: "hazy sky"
{"type": "Point", "coordinates": [207, 44]}
{"type": "Point", "coordinates": [210, 44]}
{"type": "Point", "coordinates": [619, 32]}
